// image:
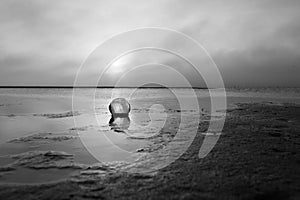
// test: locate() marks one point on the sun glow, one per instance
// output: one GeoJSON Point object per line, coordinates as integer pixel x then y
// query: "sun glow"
{"type": "Point", "coordinates": [118, 66]}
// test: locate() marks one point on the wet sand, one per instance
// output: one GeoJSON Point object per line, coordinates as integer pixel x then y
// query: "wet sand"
{"type": "Point", "coordinates": [256, 157]}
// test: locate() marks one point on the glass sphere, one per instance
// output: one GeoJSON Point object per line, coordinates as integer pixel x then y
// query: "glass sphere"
{"type": "Point", "coordinates": [119, 106]}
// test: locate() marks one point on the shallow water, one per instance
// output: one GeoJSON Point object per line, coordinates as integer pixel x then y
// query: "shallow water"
{"type": "Point", "coordinates": [42, 120]}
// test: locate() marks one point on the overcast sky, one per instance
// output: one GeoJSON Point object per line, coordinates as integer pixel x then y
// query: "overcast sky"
{"type": "Point", "coordinates": [254, 43]}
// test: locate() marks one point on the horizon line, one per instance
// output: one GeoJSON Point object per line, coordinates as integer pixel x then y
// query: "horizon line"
{"type": "Point", "coordinates": [61, 86]}
{"type": "Point", "coordinates": [144, 87]}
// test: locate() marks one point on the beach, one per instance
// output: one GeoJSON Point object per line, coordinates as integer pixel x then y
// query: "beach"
{"type": "Point", "coordinates": [43, 150]}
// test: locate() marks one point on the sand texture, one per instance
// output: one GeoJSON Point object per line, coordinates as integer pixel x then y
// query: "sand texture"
{"type": "Point", "coordinates": [256, 157]}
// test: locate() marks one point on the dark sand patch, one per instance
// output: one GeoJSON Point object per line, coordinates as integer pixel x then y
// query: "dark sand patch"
{"type": "Point", "coordinates": [11, 115]}
{"type": "Point", "coordinates": [38, 167]}
{"type": "Point", "coordinates": [44, 159]}
{"type": "Point", "coordinates": [82, 128]}
{"type": "Point", "coordinates": [54, 159]}
{"type": "Point", "coordinates": [6, 168]}
{"type": "Point", "coordinates": [43, 138]}
{"type": "Point", "coordinates": [248, 162]}
{"type": "Point", "coordinates": [59, 115]}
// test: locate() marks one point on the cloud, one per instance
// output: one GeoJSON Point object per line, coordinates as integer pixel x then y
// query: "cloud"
{"type": "Point", "coordinates": [260, 66]}
{"type": "Point", "coordinates": [254, 43]}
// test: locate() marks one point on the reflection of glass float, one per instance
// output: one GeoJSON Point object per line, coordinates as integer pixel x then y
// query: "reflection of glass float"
{"type": "Point", "coordinates": [119, 107]}
{"type": "Point", "coordinates": [119, 124]}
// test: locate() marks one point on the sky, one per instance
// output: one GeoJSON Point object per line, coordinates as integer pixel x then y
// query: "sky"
{"type": "Point", "coordinates": [253, 43]}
